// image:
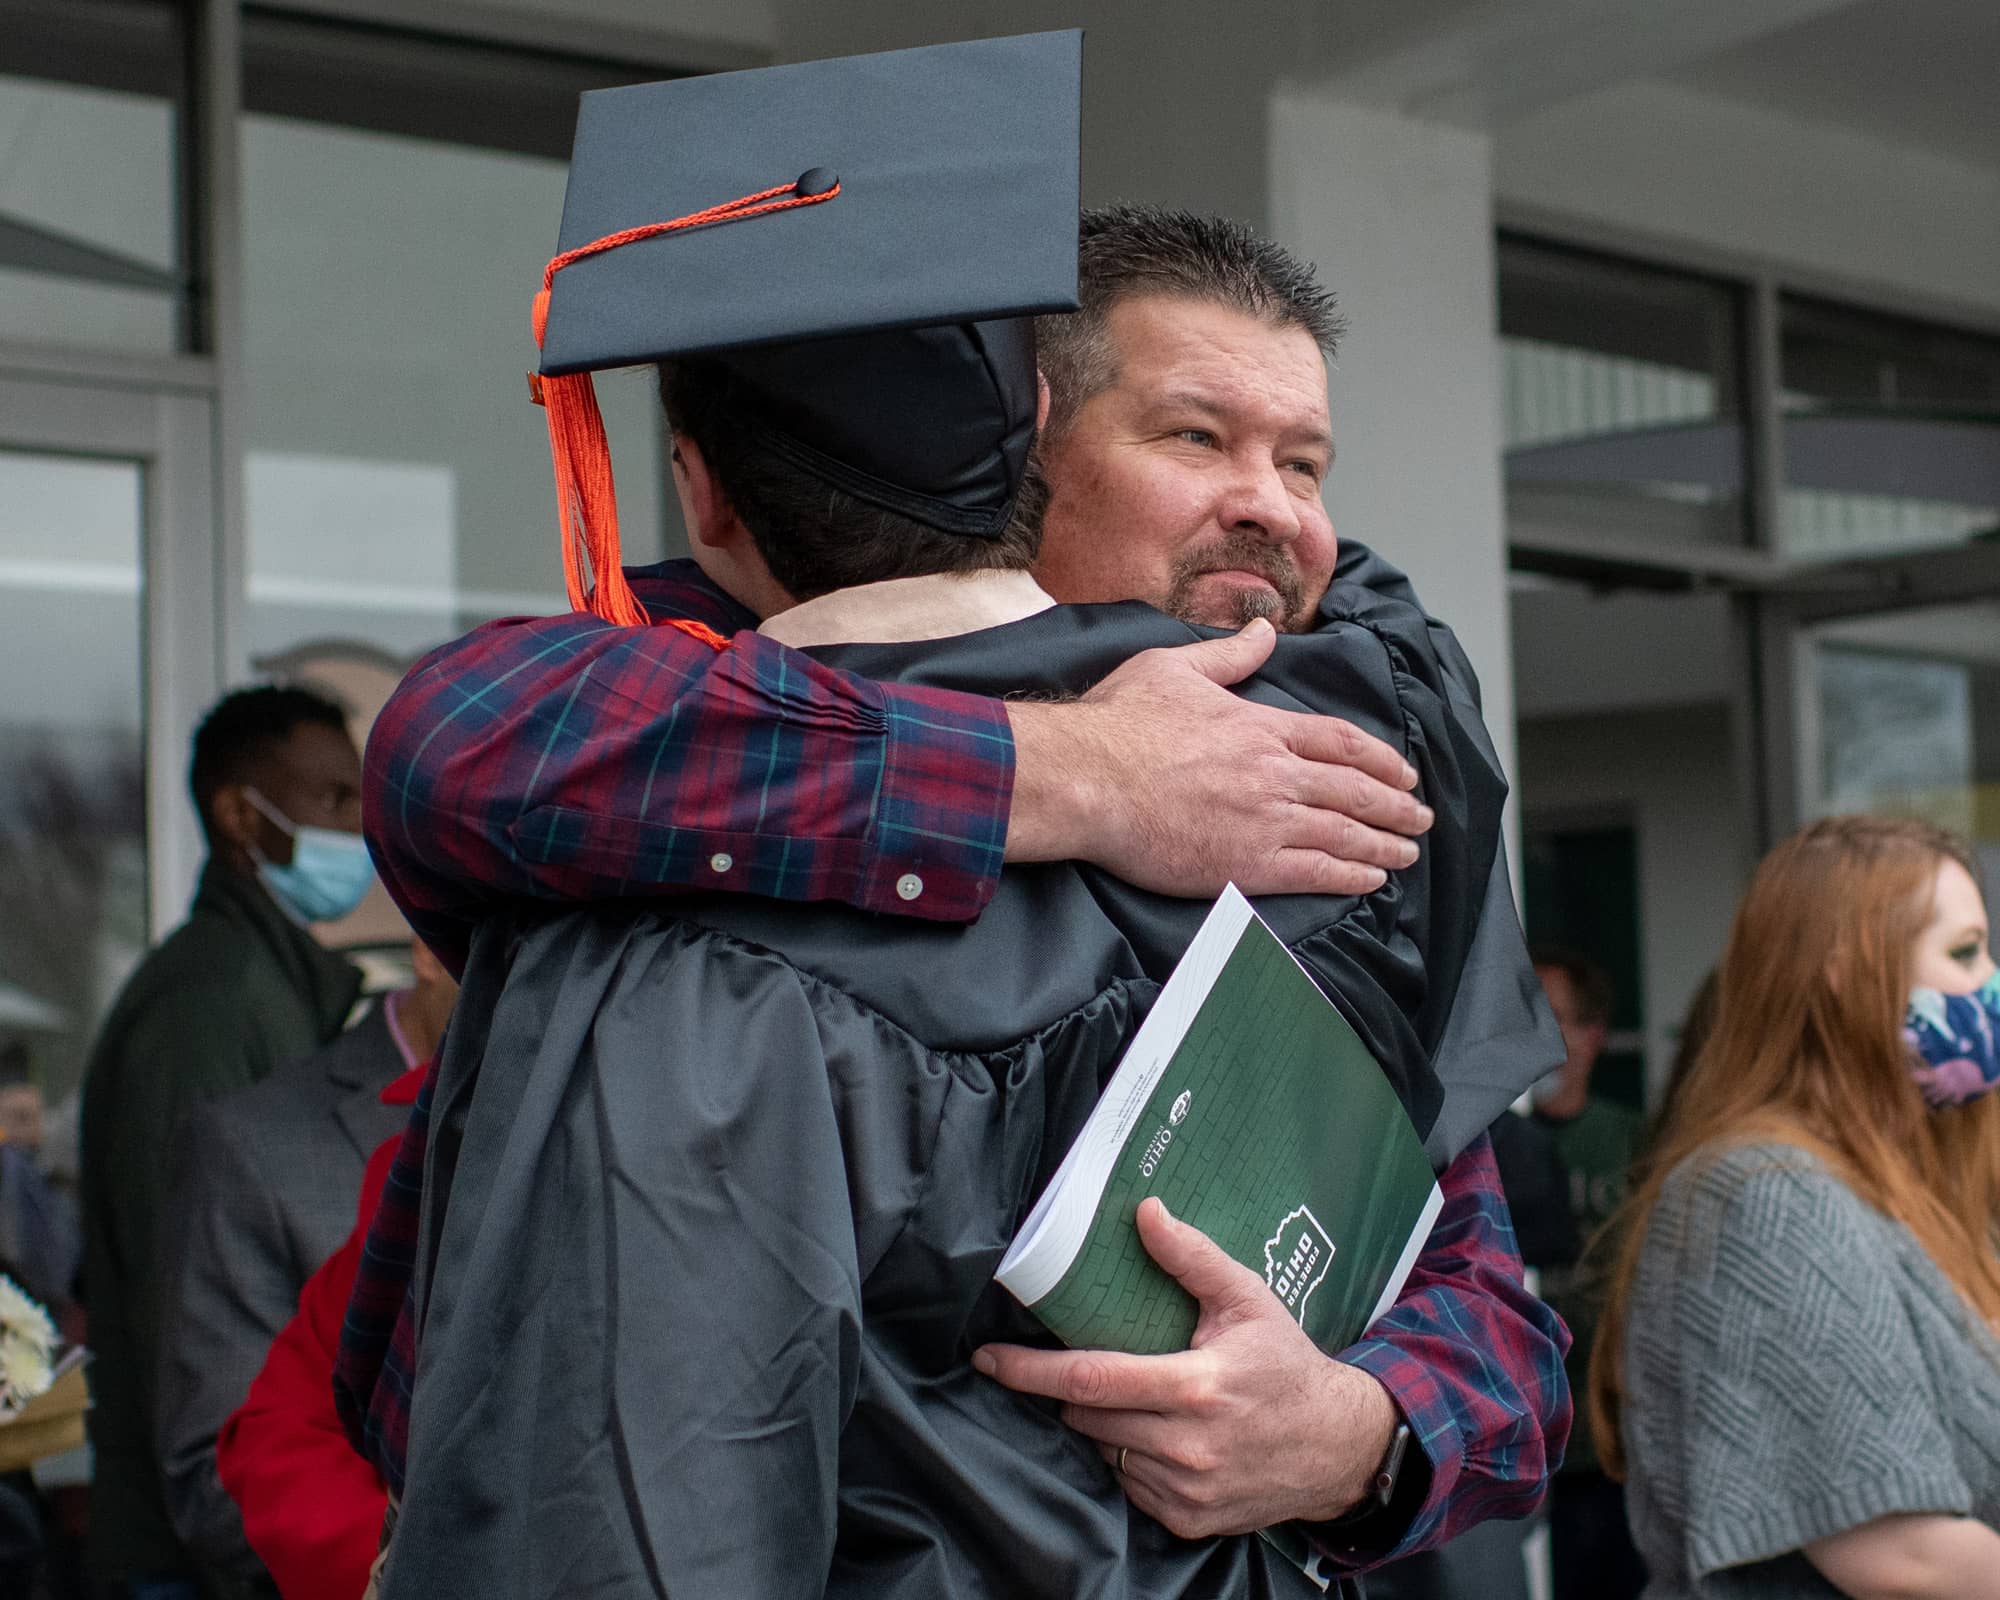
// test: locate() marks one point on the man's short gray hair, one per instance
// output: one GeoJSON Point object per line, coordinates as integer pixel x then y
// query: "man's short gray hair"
{"type": "Point", "coordinates": [1129, 250]}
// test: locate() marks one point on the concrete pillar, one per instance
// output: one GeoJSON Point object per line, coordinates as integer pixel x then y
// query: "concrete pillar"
{"type": "Point", "coordinates": [1397, 214]}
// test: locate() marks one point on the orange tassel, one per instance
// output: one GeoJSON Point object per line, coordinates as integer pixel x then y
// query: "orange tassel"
{"type": "Point", "coordinates": [586, 498]}
{"type": "Point", "coordinates": [697, 630]}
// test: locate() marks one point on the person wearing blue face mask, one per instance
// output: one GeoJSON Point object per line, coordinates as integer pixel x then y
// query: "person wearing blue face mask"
{"type": "Point", "coordinates": [329, 872]}
{"type": "Point", "coordinates": [238, 990]}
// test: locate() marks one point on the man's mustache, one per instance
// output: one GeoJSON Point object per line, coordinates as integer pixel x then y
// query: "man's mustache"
{"type": "Point", "coordinates": [1244, 552]}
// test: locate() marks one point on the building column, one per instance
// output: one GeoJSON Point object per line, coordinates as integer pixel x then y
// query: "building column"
{"type": "Point", "coordinates": [1398, 216]}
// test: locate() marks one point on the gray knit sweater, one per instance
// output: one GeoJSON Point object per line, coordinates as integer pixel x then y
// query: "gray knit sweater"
{"type": "Point", "coordinates": [1795, 1365]}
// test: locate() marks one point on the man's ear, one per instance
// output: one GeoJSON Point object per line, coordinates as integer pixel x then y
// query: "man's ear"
{"type": "Point", "coordinates": [1041, 401]}
{"type": "Point", "coordinates": [705, 508]}
{"type": "Point", "coordinates": [234, 820]}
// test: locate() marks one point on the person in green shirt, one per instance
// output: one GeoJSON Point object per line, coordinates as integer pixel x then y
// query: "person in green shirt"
{"type": "Point", "coordinates": [237, 990]}
{"type": "Point", "coordinates": [1596, 1140]}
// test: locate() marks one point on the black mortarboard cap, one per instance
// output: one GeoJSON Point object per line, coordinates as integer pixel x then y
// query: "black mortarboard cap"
{"type": "Point", "coordinates": [856, 240]}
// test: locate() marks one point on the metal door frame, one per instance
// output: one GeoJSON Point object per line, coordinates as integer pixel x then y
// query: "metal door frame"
{"type": "Point", "coordinates": [1784, 674]}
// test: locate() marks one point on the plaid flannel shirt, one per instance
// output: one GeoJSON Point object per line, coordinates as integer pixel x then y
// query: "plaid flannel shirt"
{"type": "Point", "coordinates": [567, 759]}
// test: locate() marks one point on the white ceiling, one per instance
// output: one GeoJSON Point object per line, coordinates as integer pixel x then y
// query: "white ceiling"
{"type": "Point", "coordinates": [1918, 72]}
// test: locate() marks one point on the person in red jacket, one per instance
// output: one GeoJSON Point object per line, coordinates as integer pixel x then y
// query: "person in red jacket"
{"type": "Point", "coordinates": [312, 1508]}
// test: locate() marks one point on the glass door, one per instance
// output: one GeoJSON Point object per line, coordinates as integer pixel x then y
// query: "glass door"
{"type": "Point", "coordinates": [1903, 713]}
{"type": "Point", "coordinates": [107, 641]}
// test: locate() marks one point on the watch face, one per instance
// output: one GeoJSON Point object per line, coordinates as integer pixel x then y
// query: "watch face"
{"type": "Point", "coordinates": [1392, 1464]}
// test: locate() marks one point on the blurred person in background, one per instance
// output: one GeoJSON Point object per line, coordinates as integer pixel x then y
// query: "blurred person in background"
{"type": "Point", "coordinates": [1597, 1138]}
{"type": "Point", "coordinates": [311, 1505]}
{"type": "Point", "coordinates": [40, 1242]}
{"type": "Point", "coordinates": [1798, 1368]}
{"type": "Point", "coordinates": [40, 1246]}
{"type": "Point", "coordinates": [1593, 1141]}
{"type": "Point", "coordinates": [238, 990]}
{"type": "Point", "coordinates": [266, 1179]}
{"type": "Point", "coordinates": [21, 1107]}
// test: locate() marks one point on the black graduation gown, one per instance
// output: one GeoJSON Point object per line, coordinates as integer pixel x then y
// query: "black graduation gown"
{"type": "Point", "coordinates": [717, 1190]}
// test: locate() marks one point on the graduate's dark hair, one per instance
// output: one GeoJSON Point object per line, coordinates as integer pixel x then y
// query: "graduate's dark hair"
{"type": "Point", "coordinates": [1129, 250]}
{"type": "Point", "coordinates": [244, 727]}
{"type": "Point", "coordinates": [816, 538]}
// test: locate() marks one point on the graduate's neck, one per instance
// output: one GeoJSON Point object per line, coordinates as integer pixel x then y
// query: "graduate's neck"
{"type": "Point", "coordinates": [742, 575]}
{"type": "Point", "coordinates": [721, 545]}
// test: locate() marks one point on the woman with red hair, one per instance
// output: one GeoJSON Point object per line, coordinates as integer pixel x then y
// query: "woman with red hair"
{"type": "Point", "coordinates": [1798, 1370]}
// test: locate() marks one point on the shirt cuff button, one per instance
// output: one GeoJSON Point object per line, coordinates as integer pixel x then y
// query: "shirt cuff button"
{"type": "Point", "coordinates": [721, 861]}
{"type": "Point", "coordinates": [909, 886]}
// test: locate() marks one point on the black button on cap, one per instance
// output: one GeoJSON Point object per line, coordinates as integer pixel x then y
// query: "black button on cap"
{"type": "Point", "coordinates": [816, 181]}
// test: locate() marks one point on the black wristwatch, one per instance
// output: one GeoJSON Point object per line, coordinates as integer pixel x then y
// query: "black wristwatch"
{"type": "Point", "coordinates": [1377, 1513]}
{"type": "Point", "coordinates": [1382, 1488]}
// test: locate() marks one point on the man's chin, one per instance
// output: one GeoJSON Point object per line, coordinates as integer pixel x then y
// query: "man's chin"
{"type": "Point", "coordinates": [1236, 609]}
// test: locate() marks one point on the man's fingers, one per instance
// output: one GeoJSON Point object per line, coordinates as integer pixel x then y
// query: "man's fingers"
{"type": "Point", "coordinates": [1349, 792]}
{"type": "Point", "coordinates": [1341, 837]}
{"type": "Point", "coordinates": [1098, 1379]}
{"type": "Point", "coordinates": [1142, 1432]}
{"type": "Point", "coordinates": [1310, 872]}
{"type": "Point", "coordinates": [1158, 1489]}
{"type": "Point", "coordinates": [1338, 743]}
{"type": "Point", "coordinates": [1233, 659]}
{"type": "Point", "coordinates": [1200, 1265]}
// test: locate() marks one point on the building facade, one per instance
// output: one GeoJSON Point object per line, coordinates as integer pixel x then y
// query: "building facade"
{"type": "Point", "coordinates": [1673, 378]}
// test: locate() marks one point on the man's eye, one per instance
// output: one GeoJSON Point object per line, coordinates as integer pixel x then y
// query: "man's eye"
{"type": "Point", "coordinates": [1200, 436]}
{"type": "Point", "coordinates": [1305, 469]}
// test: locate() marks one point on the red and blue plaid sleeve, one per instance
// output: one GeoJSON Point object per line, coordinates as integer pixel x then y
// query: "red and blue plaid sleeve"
{"type": "Point", "coordinates": [376, 1361]}
{"type": "Point", "coordinates": [1475, 1362]}
{"type": "Point", "coordinates": [565, 758]}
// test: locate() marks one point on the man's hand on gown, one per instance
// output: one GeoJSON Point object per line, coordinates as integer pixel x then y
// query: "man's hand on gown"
{"type": "Point", "coordinates": [1249, 1427]}
{"type": "Point", "coordinates": [1162, 776]}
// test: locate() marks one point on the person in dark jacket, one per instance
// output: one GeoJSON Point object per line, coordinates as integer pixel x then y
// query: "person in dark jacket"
{"type": "Point", "coordinates": [238, 990]}
{"type": "Point", "coordinates": [311, 1507]}
{"type": "Point", "coordinates": [266, 1180]}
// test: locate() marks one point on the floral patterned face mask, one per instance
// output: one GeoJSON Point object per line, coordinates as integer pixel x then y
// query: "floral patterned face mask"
{"type": "Point", "coordinates": [1953, 1037]}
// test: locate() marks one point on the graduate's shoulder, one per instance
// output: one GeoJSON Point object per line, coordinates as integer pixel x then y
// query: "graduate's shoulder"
{"type": "Point", "coordinates": [1417, 643]}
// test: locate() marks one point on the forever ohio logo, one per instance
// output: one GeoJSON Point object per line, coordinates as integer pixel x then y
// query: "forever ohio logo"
{"type": "Point", "coordinates": [1296, 1259]}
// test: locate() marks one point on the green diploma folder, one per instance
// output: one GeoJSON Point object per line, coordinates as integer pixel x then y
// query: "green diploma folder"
{"type": "Point", "coordinates": [1252, 1109]}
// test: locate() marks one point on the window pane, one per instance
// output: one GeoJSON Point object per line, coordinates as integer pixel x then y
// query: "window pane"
{"type": "Point", "coordinates": [397, 480]}
{"type": "Point", "coordinates": [1892, 433]}
{"type": "Point", "coordinates": [1622, 399]}
{"type": "Point", "coordinates": [72, 812]}
{"type": "Point", "coordinates": [88, 238]}
{"type": "Point", "coordinates": [1909, 717]}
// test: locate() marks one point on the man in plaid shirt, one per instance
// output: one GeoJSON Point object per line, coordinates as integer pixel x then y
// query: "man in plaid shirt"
{"type": "Point", "coordinates": [568, 759]}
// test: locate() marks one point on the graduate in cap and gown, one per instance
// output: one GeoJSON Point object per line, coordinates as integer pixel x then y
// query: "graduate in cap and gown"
{"type": "Point", "coordinates": [714, 1193]}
